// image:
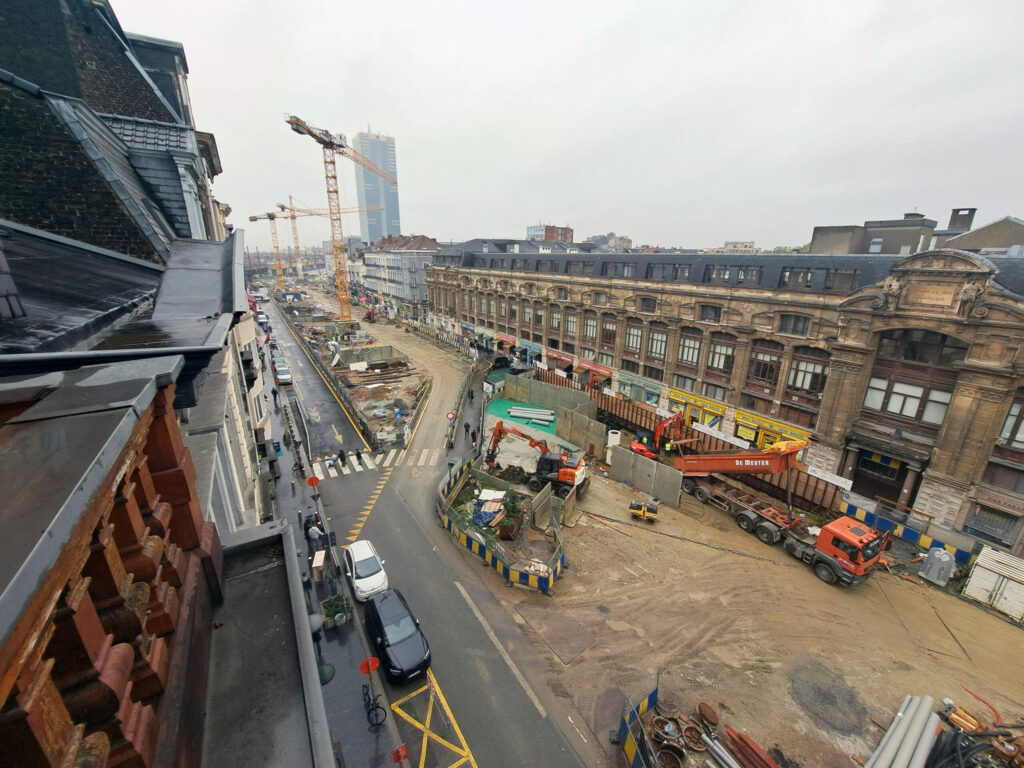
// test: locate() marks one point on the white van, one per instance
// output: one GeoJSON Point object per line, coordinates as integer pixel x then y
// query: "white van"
{"type": "Point", "coordinates": [259, 298]}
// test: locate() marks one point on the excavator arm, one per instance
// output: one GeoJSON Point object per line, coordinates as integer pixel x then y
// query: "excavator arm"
{"type": "Point", "coordinates": [499, 434]}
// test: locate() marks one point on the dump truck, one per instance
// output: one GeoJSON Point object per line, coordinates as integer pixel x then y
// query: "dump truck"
{"type": "Point", "coordinates": [843, 551]}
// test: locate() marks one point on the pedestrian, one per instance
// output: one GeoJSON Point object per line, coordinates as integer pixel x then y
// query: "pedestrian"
{"type": "Point", "coordinates": [473, 435]}
{"type": "Point", "coordinates": [358, 456]}
{"type": "Point", "coordinates": [273, 391]}
{"type": "Point", "coordinates": [471, 394]}
{"type": "Point", "coordinates": [466, 428]}
{"type": "Point", "coordinates": [341, 458]}
{"type": "Point", "coordinates": [313, 534]}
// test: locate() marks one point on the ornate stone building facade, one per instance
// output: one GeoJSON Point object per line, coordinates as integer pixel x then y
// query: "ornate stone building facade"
{"type": "Point", "coordinates": [904, 373]}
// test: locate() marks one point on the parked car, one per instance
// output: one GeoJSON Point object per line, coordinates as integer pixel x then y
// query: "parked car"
{"type": "Point", "coordinates": [262, 318]}
{"type": "Point", "coordinates": [365, 570]}
{"type": "Point", "coordinates": [276, 358]}
{"type": "Point", "coordinates": [283, 375]}
{"type": "Point", "coordinates": [395, 633]}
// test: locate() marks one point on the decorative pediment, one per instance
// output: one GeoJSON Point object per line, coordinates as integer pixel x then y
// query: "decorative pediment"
{"type": "Point", "coordinates": [945, 262]}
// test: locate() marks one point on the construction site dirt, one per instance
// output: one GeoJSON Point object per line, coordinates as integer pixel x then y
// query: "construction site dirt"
{"type": "Point", "coordinates": [800, 666]}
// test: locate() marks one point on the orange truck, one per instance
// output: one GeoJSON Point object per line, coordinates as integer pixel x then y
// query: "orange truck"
{"type": "Point", "coordinates": [843, 551]}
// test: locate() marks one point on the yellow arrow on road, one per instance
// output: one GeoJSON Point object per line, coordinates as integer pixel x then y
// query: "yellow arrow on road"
{"type": "Point", "coordinates": [314, 414]}
{"type": "Point", "coordinates": [337, 434]}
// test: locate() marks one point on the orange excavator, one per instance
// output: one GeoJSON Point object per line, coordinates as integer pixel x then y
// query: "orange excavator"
{"type": "Point", "coordinates": [650, 451]}
{"type": "Point", "coordinates": [843, 551]}
{"type": "Point", "coordinates": [563, 470]}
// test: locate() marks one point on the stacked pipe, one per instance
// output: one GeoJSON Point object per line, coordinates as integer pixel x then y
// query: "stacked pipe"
{"type": "Point", "coordinates": [910, 737]}
{"type": "Point", "coordinates": [542, 416]}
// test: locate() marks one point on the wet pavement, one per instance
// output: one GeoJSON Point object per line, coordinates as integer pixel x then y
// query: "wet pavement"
{"type": "Point", "coordinates": [340, 649]}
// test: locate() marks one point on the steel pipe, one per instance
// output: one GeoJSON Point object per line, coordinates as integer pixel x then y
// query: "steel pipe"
{"type": "Point", "coordinates": [925, 743]}
{"type": "Point", "coordinates": [900, 713]}
{"type": "Point", "coordinates": [913, 733]}
{"type": "Point", "coordinates": [719, 753]}
{"type": "Point", "coordinates": [882, 758]}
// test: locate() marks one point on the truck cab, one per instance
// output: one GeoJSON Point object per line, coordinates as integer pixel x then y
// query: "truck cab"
{"type": "Point", "coordinates": [845, 550]}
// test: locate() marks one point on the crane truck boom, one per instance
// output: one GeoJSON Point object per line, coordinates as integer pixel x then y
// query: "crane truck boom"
{"type": "Point", "coordinates": [843, 551]}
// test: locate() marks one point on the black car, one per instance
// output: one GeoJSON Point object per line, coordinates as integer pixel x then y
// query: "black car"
{"type": "Point", "coordinates": [395, 632]}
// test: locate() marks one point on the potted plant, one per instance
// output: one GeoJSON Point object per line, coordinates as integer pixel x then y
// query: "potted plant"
{"type": "Point", "coordinates": [336, 610]}
{"type": "Point", "coordinates": [508, 528]}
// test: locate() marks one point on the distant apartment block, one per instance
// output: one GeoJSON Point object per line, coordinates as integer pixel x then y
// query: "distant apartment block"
{"type": "Point", "coordinates": [549, 233]}
{"type": "Point", "coordinates": [399, 270]}
{"type": "Point", "coordinates": [373, 191]}
{"type": "Point", "coordinates": [735, 247]}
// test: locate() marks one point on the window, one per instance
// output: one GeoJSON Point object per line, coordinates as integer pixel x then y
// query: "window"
{"type": "Point", "coordinates": [652, 372]}
{"type": "Point", "coordinates": [807, 376]}
{"type": "Point", "coordinates": [465, 301]}
{"type": "Point", "coordinates": [659, 272]}
{"type": "Point", "coordinates": [709, 313]}
{"type": "Point", "coordinates": [794, 324]}
{"type": "Point", "coordinates": [842, 280]}
{"type": "Point", "coordinates": [682, 272]}
{"type": "Point", "coordinates": [491, 303]}
{"type": "Point", "coordinates": [714, 391]}
{"type": "Point", "coordinates": [919, 346]}
{"type": "Point", "coordinates": [632, 366]}
{"type": "Point", "coordinates": [556, 320]}
{"type": "Point", "coordinates": [600, 299]}
{"type": "Point", "coordinates": [569, 347]}
{"type": "Point", "coordinates": [907, 400]}
{"type": "Point", "coordinates": [574, 267]}
{"type": "Point", "coordinates": [587, 354]}
{"type": "Point", "coordinates": [619, 269]}
{"type": "Point", "coordinates": [608, 331]}
{"type": "Point", "coordinates": [518, 264]}
{"type": "Point", "coordinates": [570, 325]}
{"type": "Point", "coordinates": [561, 294]}
{"type": "Point", "coordinates": [552, 343]}
{"type": "Point", "coordinates": [689, 347]}
{"type": "Point", "coordinates": [721, 358]}
{"type": "Point", "coordinates": [530, 289]}
{"type": "Point", "coordinates": [542, 265]}
{"type": "Point", "coordinates": [605, 358]}
{"type": "Point", "coordinates": [634, 334]}
{"type": "Point", "coordinates": [716, 274]}
{"type": "Point", "coordinates": [657, 343]}
{"type": "Point", "coordinates": [1012, 433]}
{"type": "Point", "coordinates": [1004, 477]}
{"type": "Point", "coordinates": [748, 275]}
{"type": "Point", "coordinates": [648, 304]}
{"type": "Point", "coordinates": [796, 278]}
{"type": "Point", "coordinates": [527, 314]}
{"type": "Point", "coordinates": [685, 383]}
{"type": "Point", "coordinates": [513, 310]}
{"type": "Point", "coordinates": [538, 317]}
{"type": "Point", "coordinates": [590, 327]}
{"type": "Point", "coordinates": [501, 309]}
{"type": "Point", "coordinates": [764, 368]}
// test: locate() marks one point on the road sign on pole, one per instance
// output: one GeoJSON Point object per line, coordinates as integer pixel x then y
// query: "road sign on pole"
{"type": "Point", "coordinates": [313, 482]}
{"type": "Point", "coordinates": [368, 665]}
{"type": "Point", "coordinates": [450, 415]}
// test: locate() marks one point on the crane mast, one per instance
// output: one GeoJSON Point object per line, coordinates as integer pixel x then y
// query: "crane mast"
{"type": "Point", "coordinates": [336, 144]}
{"type": "Point", "coordinates": [272, 218]}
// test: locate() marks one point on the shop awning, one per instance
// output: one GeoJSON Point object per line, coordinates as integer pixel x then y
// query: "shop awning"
{"type": "Point", "coordinates": [579, 369]}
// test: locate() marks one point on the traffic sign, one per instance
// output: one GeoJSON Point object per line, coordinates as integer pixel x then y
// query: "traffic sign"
{"type": "Point", "coordinates": [450, 415]}
{"type": "Point", "coordinates": [313, 482]}
{"type": "Point", "coordinates": [367, 666]}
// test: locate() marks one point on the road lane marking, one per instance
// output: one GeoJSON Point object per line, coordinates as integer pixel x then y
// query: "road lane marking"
{"type": "Point", "coordinates": [391, 457]}
{"type": "Point", "coordinates": [501, 650]}
{"type": "Point", "coordinates": [423, 456]}
{"type": "Point", "coordinates": [368, 461]}
{"type": "Point", "coordinates": [331, 470]}
{"type": "Point", "coordinates": [357, 465]}
{"type": "Point", "coordinates": [346, 470]}
{"type": "Point", "coordinates": [318, 470]}
{"type": "Point", "coordinates": [401, 457]}
{"type": "Point", "coordinates": [433, 456]}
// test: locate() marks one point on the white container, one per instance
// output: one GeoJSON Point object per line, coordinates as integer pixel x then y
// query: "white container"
{"type": "Point", "coordinates": [614, 437]}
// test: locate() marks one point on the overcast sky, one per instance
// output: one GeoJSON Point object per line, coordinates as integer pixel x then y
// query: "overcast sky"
{"type": "Point", "coordinates": [675, 123]}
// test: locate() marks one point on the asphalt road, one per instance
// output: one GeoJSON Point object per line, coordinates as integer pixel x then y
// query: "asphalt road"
{"type": "Point", "coordinates": [486, 668]}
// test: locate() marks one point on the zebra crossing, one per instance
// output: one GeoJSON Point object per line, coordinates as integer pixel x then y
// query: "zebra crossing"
{"type": "Point", "coordinates": [328, 466]}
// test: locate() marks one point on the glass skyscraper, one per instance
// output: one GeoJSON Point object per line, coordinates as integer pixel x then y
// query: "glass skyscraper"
{"type": "Point", "coordinates": [374, 191]}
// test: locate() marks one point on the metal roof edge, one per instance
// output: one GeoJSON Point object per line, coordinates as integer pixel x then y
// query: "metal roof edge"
{"type": "Point", "coordinates": [80, 244]}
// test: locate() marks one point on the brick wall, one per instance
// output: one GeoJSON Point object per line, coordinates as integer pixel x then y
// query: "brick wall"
{"type": "Point", "coordinates": [50, 184]}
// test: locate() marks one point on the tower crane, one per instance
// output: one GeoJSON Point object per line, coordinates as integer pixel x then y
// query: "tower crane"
{"type": "Point", "coordinates": [292, 212]}
{"type": "Point", "coordinates": [272, 218]}
{"type": "Point", "coordinates": [335, 144]}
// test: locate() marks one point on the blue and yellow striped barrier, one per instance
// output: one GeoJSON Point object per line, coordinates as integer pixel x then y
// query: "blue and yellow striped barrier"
{"type": "Point", "coordinates": [632, 750]}
{"type": "Point", "coordinates": [904, 532]}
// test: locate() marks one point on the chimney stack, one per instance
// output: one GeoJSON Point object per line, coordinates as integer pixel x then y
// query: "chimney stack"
{"type": "Point", "coordinates": [962, 219]}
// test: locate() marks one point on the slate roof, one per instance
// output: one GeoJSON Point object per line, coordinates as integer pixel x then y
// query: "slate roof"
{"type": "Point", "coordinates": [70, 290]}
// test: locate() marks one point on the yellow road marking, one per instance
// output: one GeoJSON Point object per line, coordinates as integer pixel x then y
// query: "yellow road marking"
{"type": "Point", "coordinates": [356, 529]}
{"type": "Point", "coordinates": [461, 750]}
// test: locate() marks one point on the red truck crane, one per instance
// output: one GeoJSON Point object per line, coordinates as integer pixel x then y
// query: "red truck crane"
{"type": "Point", "coordinates": [563, 470]}
{"type": "Point", "coordinates": [651, 451]}
{"type": "Point", "coordinates": [843, 551]}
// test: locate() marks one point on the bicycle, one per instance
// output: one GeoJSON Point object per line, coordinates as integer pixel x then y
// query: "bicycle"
{"type": "Point", "coordinates": [375, 713]}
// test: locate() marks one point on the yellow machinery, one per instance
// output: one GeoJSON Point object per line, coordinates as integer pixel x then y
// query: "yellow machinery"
{"type": "Point", "coordinates": [292, 212]}
{"type": "Point", "coordinates": [272, 218]}
{"type": "Point", "coordinates": [336, 144]}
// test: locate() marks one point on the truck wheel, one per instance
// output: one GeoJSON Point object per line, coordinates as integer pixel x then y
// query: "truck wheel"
{"type": "Point", "coordinates": [689, 486]}
{"type": "Point", "coordinates": [701, 494]}
{"type": "Point", "coordinates": [825, 572]}
{"type": "Point", "coordinates": [765, 534]}
{"type": "Point", "coordinates": [562, 491]}
{"type": "Point", "coordinates": [744, 522]}
{"type": "Point", "coordinates": [534, 484]}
